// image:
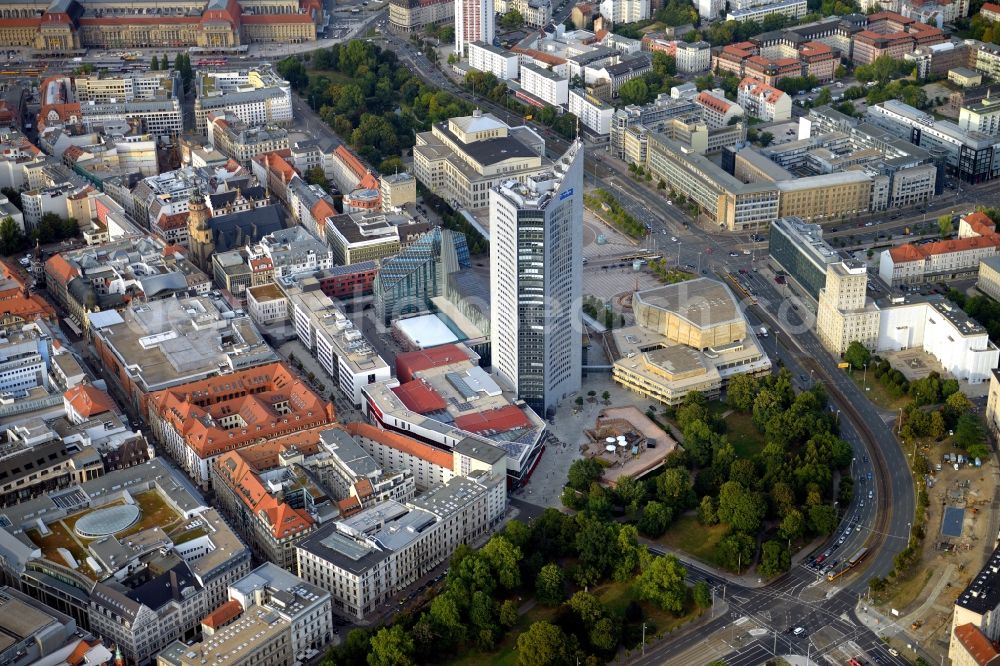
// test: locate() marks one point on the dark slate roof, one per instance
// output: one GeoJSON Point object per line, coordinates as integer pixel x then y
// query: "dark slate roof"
{"type": "Point", "coordinates": [238, 229]}
{"type": "Point", "coordinates": [491, 151]}
{"type": "Point", "coordinates": [159, 590]}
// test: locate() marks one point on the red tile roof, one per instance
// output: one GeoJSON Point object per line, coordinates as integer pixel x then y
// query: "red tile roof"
{"type": "Point", "coordinates": [909, 252]}
{"type": "Point", "coordinates": [509, 417]}
{"type": "Point", "coordinates": [253, 394]}
{"type": "Point", "coordinates": [540, 56]}
{"type": "Point", "coordinates": [980, 223]}
{"type": "Point", "coordinates": [223, 615]}
{"type": "Point", "coordinates": [990, 7]}
{"type": "Point", "coordinates": [713, 102]}
{"type": "Point", "coordinates": [979, 647]}
{"type": "Point", "coordinates": [87, 400]}
{"type": "Point", "coordinates": [419, 397]}
{"type": "Point", "coordinates": [408, 363]}
{"type": "Point", "coordinates": [60, 270]}
{"type": "Point", "coordinates": [402, 443]}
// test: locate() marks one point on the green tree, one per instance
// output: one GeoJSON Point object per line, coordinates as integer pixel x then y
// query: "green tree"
{"type": "Point", "coordinates": [517, 533]}
{"type": "Point", "coordinates": [937, 427]}
{"type": "Point", "coordinates": [605, 634]}
{"type": "Point", "coordinates": [945, 226]}
{"type": "Point", "coordinates": [673, 488]}
{"type": "Point", "coordinates": [702, 594]}
{"type": "Point", "coordinates": [11, 238]}
{"type": "Point", "coordinates": [774, 559]}
{"type": "Point", "coordinates": [822, 518]}
{"type": "Point", "coordinates": [446, 616]}
{"type": "Point", "coordinates": [968, 431]}
{"type": "Point", "coordinates": [587, 607]}
{"type": "Point", "coordinates": [840, 72]}
{"type": "Point", "coordinates": [391, 646]}
{"type": "Point", "coordinates": [512, 20]}
{"type": "Point", "coordinates": [508, 613]}
{"type": "Point", "coordinates": [792, 525]}
{"type": "Point", "coordinates": [154, 64]}
{"type": "Point", "coordinates": [707, 513]}
{"type": "Point", "coordinates": [504, 559]}
{"type": "Point", "coordinates": [824, 97]}
{"type": "Point", "coordinates": [765, 139]}
{"type": "Point", "coordinates": [735, 551]}
{"type": "Point", "coordinates": [662, 583]}
{"type": "Point", "coordinates": [630, 492]}
{"type": "Point", "coordinates": [316, 176]}
{"type": "Point", "coordinates": [655, 519]}
{"type": "Point", "coordinates": [549, 585]}
{"type": "Point", "coordinates": [629, 553]}
{"type": "Point", "coordinates": [583, 472]}
{"type": "Point", "coordinates": [740, 508]}
{"type": "Point", "coordinates": [545, 644]}
{"type": "Point", "coordinates": [857, 355]}
{"type": "Point", "coordinates": [634, 91]}
{"type": "Point", "coordinates": [741, 391]}
{"type": "Point", "coordinates": [704, 82]}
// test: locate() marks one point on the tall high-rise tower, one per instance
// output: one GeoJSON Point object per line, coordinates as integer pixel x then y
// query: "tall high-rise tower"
{"type": "Point", "coordinates": [201, 242]}
{"type": "Point", "coordinates": [475, 21]}
{"type": "Point", "coordinates": [536, 264]}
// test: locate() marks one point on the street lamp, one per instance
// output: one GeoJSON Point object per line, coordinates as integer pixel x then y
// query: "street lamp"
{"type": "Point", "coordinates": [866, 377]}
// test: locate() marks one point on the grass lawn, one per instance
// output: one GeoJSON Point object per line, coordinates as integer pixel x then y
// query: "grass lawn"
{"type": "Point", "coordinates": [876, 392]}
{"type": "Point", "coordinates": [740, 430]}
{"type": "Point", "coordinates": [695, 539]}
{"type": "Point", "coordinates": [617, 596]}
{"type": "Point", "coordinates": [905, 592]}
{"type": "Point", "coordinates": [505, 653]}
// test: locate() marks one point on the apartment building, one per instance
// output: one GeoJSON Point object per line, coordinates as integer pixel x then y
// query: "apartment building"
{"type": "Point", "coordinates": [267, 305]}
{"type": "Point", "coordinates": [475, 21]}
{"type": "Point", "coordinates": [499, 62]}
{"type": "Point", "coordinates": [763, 101]}
{"type": "Point", "coordinates": [461, 159]}
{"type": "Point", "coordinates": [624, 11]}
{"type": "Point", "coordinates": [845, 314]}
{"type": "Point", "coordinates": [257, 96]}
{"type": "Point", "coordinates": [616, 75]}
{"type": "Point", "coordinates": [594, 113]}
{"type": "Point", "coordinates": [398, 189]}
{"type": "Point", "coordinates": [332, 339]}
{"type": "Point", "coordinates": [793, 9]}
{"type": "Point", "coordinates": [975, 622]}
{"type": "Point", "coordinates": [541, 86]}
{"type": "Point", "coordinates": [983, 117]}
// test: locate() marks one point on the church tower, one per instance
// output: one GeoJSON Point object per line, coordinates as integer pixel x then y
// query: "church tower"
{"type": "Point", "coordinates": [201, 242]}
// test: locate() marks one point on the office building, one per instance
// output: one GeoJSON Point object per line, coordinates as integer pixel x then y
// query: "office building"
{"type": "Point", "coordinates": [406, 283]}
{"type": "Point", "coordinates": [148, 347]}
{"type": "Point", "coordinates": [975, 622]}
{"type": "Point", "coordinates": [238, 140]}
{"type": "Point", "coordinates": [292, 252]}
{"type": "Point", "coordinates": [970, 154]}
{"type": "Point", "coordinates": [364, 559]}
{"type": "Point", "coordinates": [398, 189]}
{"type": "Point", "coordinates": [624, 11]}
{"type": "Point", "coordinates": [332, 339]}
{"type": "Point", "coordinates": [988, 278]}
{"type": "Point", "coordinates": [461, 159]}
{"type": "Point", "coordinates": [499, 62]}
{"type": "Point", "coordinates": [358, 237]}
{"type": "Point", "coordinates": [198, 421]}
{"type": "Point", "coordinates": [406, 16]}
{"type": "Point", "coordinates": [834, 195]}
{"type": "Point", "coordinates": [475, 21]}
{"type": "Point", "coordinates": [724, 199]}
{"type": "Point", "coordinates": [716, 110]}
{"type": "Point", "coordinates": [845, 314]}
{"type": "Point", "coordinates": [799, 250]}
{"type": "Point", "coordinates": [535, 280]}
{"type": "Point", "coordinates": [443, 397]}
{"type": "Point", "coordinates": [689, 336]}
{"type": "Point", "coordinates": [259, 636]}
{"type": "Point", "coordinates": [139, 593]}
{"type": "Point", "coordinates": [257, 96]}
{"type": "Point", "coordinates": [693, 57]}
{"type": "Point", "coordinates": [983, 116]}
{"type": "Point", "coordinates": [793, 9]}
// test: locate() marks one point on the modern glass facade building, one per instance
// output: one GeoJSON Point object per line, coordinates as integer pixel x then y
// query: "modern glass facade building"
{"type": "Point", "coordinates": [535, 282]}
{"type": "Point", "coordinates": [406, 283]}
{"type": "Point", "coordinates": [799, 249]}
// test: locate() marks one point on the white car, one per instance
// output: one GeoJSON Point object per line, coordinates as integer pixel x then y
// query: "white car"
{"type": "Point", "coordinates": [673, 239]}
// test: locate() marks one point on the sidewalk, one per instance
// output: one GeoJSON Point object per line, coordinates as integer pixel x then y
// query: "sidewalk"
{"type": "Point", "coordinates": [888, 629]}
